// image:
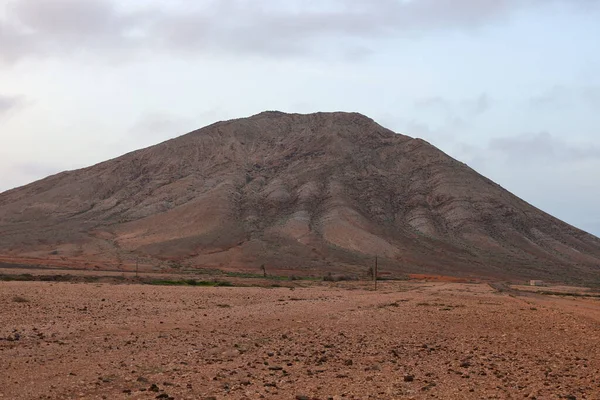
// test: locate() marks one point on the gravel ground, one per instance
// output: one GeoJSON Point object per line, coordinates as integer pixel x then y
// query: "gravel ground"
{"type": "Point", "coordinates": [407, 340]}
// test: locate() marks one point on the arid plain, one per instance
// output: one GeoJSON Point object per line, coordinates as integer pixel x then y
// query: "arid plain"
{"type": "Point", "coordinates": [309, 340]}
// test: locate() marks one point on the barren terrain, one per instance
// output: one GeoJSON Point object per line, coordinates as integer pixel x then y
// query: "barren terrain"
{"type": "Point", "coordinates": [315, 193]}
{"type": "Point", "coordinates": [338, 340]}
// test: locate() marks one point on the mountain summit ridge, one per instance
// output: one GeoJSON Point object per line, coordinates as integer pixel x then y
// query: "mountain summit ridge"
{"type": "Point", "coordinates": [304, 192]}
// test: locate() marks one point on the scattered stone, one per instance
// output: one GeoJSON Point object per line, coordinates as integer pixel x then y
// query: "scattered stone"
{"type": "Point", "coordinates": [153, 388]}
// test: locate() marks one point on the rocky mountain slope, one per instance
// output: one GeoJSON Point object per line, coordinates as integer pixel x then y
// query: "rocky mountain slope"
{"type": "Point", "coordinates": [308, 193]}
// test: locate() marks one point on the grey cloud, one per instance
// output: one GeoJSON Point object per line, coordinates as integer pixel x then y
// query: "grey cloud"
{"type": "Point", "coordinates": [434, 103]}
{"type": "Point", "coordinates": [69, 18]}
{"type": "Point", "coordinates": [152, 128]}
{"type": "Point", "coordinates": [418, 129]}
{"type": "Point", "coordinates": [18, 173]}
{"type": "Point", "coordinates": [447, 129]}
{"type": "Point", "coordinates": [560, 96]}
{"type": "Point", "coordinates": [592, 96]}
{"type": "Point", "coordinates": [543, 145]}
{"type": "Point", "coordinates": [56, 27]}
{"type": "Point", "coordinates": [456, 109]}
{"type": "Point", "coordinates": [12, 42]}
{"type": "Point", "coordinates": [556, 96]}
{"type": "Point", "coordinates": [9, 103]}
{"type": "Point", "coordinates": [266, 27]}
{"type": "Point", "coordinates": [479, 105]}
{"type": "Point", "coordinates": [269, 28]}
{"type": "Point", "coordinates": [38, 170]}
{"type": "Point", "coordinates": [534, 149]}
{"type": "Point", "coordinates": [155, 126]}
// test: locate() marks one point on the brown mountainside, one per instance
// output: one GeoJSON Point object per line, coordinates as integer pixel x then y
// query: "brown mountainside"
{"type": "Point", "coordinates": [313, 193]}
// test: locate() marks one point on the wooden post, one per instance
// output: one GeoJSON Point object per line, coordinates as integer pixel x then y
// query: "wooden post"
{"type": "Point", "coordinates": [375, 273]}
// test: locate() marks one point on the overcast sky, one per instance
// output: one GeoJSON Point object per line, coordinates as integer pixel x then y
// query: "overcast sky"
{"type": "Point", "coordinates": [511, 87]}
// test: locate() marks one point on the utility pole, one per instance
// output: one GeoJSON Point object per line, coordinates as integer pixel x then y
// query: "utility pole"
{"type": "Point", "coordinates": [375, 273]}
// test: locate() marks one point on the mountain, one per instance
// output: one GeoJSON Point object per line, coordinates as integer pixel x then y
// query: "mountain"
{"type": "Point", "coordinates": [304, 193]}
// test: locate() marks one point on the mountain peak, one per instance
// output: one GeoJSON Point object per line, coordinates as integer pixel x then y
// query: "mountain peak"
{"type": "Point", "coordinates": [323, 114]}
{"type": "Point", "coordinates": [307, 192]}
{"type": "Point", "coordinates": [338, 116]}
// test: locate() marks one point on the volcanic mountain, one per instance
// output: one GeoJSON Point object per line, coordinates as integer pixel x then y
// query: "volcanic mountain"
{"type": "Point", "coordinates": [317, 193]}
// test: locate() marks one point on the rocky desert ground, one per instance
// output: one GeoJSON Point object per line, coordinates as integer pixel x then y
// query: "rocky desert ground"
{"type": "Point", "coordinates": [408, 340]}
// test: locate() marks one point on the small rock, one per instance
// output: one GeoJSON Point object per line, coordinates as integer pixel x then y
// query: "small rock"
{"type": "Point", "coordinates": [409, 378]}
{"type": "Point", "coordinates": [153, 388]}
